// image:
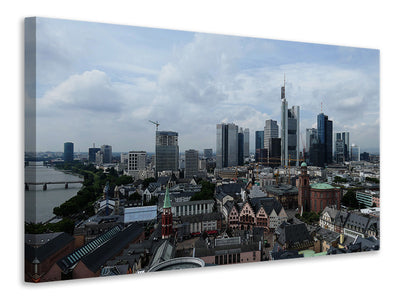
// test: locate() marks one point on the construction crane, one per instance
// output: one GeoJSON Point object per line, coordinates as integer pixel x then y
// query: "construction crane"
{"type": "Point", "coordinates": [155, 123]}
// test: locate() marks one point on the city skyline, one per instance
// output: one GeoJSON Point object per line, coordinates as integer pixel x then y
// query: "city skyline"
{"type": "Point", "coordinates": [101, 83]}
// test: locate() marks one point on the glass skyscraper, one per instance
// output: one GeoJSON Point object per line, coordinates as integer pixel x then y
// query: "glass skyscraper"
{"type": "Point", "coordinates": [325, 135]}
{"type": "Point", "coordinates": [227, 145]}
{"type": "Point", "coordinates": [68, 152]}
{"type": "Point", "coordinates": [290, 127]}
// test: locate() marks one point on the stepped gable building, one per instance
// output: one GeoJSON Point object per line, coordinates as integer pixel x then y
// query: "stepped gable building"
{"type": "Point", "coordinates": [263, 212]}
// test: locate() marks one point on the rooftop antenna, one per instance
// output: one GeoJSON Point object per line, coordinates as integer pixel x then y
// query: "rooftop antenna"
{"type": "Point", "coordinates": [321, 107]}
{"type": "Point", "coordinates": [284, 79]}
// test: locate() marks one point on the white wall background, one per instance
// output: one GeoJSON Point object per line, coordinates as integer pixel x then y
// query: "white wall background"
{"type": "Point", "coordinates": [356, 23]}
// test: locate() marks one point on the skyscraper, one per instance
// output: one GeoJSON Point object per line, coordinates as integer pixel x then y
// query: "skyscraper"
{"type": "Point", "coordinates": [107, 154]}
{"type": "Point", "coordinates": [339, 148]}
{"type": "Point", "coordinates": [309, 132]}
{"type": "Point", "coordinates": [246, 143]}
{"type": "Point", "coordinates": [240, 147]}
{"type": "Point", "coordinates": [259, 137]}
{"type": "Point", "coordinates": [167, 151]}
{"type": "Point", "coordinates": [290, 127]}
{"type": "Point", "coordinates": [227, 145]}
{"type": "Point", "coordinates": [345, 137]}
{"type": "Point", "coordinates": [191, 163]}
{"type": "Point", "coordinates": [271, 130]}
{"type": "Point", "coordinates": [355, 153]}
{"type": "Point", "coordinates": [325, 131]}
{"type": "Point", "coordinates": [68, 152]}
{"type": "Point", "coordinates": [92, 154]}
{"type": "Point", "coordinates": [208, 153]}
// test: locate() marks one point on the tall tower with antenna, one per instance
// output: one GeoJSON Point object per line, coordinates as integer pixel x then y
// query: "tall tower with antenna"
{"type": "Point", "coordinates": [290, 129]}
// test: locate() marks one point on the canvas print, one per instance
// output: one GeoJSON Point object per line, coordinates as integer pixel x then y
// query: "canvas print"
{"type": "Point", "coordinates": [151, 150]}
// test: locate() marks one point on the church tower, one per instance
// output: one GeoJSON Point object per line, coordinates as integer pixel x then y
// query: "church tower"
{"type": "Point", "coordinates": [166, 219]}
{"type": "Point", "coordinates": [304, 190]}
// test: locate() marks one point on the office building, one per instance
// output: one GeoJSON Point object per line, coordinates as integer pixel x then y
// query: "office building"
{"type": "Point", "coordinates": [271, 130]}
{"type": "Point", "coordinates": [191, 163]}
{"type": "Point", "coordinates": [68, 152]}
{"type": "Point", "coordinates": [339, 148]}
{"type": "Point", "coordinates": [309, 132]}
{"type": "Point", "coordinates": [259, 137]}
{"type": "Point", "coordinates": [167, 151]}
{"type": "Point", "coordinates": [246, 143]}
{"type": "Point", "coordinates": [325, 131]}
{"type": "Point", "coordinates": [136, 163]}
{"type": "Point", "coordinates": [227, 145]}
{"type": "Point", "coordinates": [240, 147]}
{"type": "Point", "coordinates": [345, 137]}
{"type": "Point", "coordinates": [92, 154]}
{"type": "Point", "coordinates": [315, 154]}
{"type": "Point", "coordinates": [124, 158]}
{"type": "Point", "coordinates": [355, 153]}
{"type": "Point", "coordinates": [107, 154]}
{"type": "Point", "coordinates": [274, 152]}
{"type": "Point", "coordinates": [208, 153]}
{"type": "Point", "coordinates": [290, 131]}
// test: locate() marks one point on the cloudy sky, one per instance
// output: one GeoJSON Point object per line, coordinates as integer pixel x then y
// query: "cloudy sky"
{"type": "Point", "coordinates": [102, 83]}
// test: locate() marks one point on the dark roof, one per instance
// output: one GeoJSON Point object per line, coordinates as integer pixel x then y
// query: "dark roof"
{"type": "Point", "coordinates": [358, 221]}
{"type": "Point", "coordinates": [278, 253]}
{"type": "Point", "coordinates": [282, 189]}
{"type": "Point", "coordinates": [68, 262]}
{"type": "Point", "coordinates": [268, 203]}
{"type": "Point", "coordinates": [51, 247]}
{"type": "Point", "coordinates": [114, 246]}
{"type": "Point", "coordinates": [231, 189]}
{"type": "Point", "coordinates": [367, 244]}
{"type": "Point", "coordinates": [293, 234]}
{"type": "Point", "coordinates": [226, 249]}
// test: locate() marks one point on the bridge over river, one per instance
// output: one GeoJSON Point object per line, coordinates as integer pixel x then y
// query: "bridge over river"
{"type": "Point", "coordinates": [45, 184]}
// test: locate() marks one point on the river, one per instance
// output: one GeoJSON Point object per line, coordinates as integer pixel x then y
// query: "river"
{"type": "Point", "coordinates": [39, 204]}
